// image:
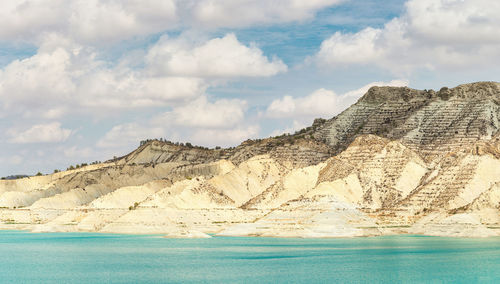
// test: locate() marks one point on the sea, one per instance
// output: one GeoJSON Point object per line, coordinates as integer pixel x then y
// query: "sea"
{"type": "Point", "coordinates": [107, 258]}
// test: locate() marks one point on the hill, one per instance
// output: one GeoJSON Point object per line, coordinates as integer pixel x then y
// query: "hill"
{"type": "Point", "coordinates": [398, 161]}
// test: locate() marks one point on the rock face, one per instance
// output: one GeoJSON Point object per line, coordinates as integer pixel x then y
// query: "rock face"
{"type": "Point", "coordinates": [398, 161]}
{"type": "Point", "coordinates": [427, 121]}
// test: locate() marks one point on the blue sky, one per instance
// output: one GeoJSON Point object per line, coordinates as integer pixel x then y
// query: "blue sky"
{"type": "Point", "coordinates": [87, 80]}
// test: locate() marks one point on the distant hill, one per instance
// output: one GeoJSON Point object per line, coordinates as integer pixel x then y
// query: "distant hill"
{"type": "Point", "coordinates": [15, 177]}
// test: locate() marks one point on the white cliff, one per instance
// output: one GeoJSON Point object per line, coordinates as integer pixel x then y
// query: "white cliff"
{"type": "Point", "coordinates": [399, 161]}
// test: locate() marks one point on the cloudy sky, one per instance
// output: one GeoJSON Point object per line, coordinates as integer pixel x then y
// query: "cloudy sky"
{"type": "Point", "coordinates": [86, 80]}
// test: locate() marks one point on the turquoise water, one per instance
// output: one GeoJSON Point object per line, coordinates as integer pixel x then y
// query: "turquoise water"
{"type": "Point", "coordinates": [98, 258]}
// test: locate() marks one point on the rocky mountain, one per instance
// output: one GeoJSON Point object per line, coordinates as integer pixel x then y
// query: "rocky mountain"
{"type": "Point", "coordinates": [398, 161]}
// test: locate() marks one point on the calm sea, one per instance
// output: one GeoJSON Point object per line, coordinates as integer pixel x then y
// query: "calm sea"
{"type": "Point", "coordinates": [98, 258]}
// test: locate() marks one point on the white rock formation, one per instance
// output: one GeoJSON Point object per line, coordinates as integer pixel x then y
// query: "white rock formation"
{"type": "Point", "coordinates": [398, 161]}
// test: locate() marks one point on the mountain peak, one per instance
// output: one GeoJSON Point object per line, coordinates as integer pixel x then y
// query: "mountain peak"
{"type": "Point", "coordinates": [427, 121]}
{"type": "Point", "coordinates": [385, 93]}
{"type": "Point", "coordinates": [476, 90]}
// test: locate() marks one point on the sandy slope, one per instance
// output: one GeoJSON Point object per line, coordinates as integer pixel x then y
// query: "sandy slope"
{"type": "Point", "coordinates": [375, 187]}
{"type": "Point", "coordinates": [398, 161]}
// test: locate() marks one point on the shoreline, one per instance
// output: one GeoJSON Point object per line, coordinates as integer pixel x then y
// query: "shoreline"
{"type": "Point", "coordinates": [164, 236]}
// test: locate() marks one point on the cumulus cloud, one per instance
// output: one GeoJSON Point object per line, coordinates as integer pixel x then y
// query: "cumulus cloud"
{"type": "Point", "coordinates": [64, 75]}
{"type": "Point", "coordinates": [90, 21]}
{"type": "Point", "coordinates": [320, 103]}
{"type": "Point", "coordinates": [242, 13]}
{"type": "Point", "coordinates": [220, 122]}
{"type": "Point", "coordinates": [112, 88]}
{"type": "Point", "coordinates": [430, 34]}
{"type": "Point", "coordinates": [454, 21]}
{"type": "Point", "coordinates": [296, 125]}
{"type": "Point", "coordinates": [40, 133]}
{"type": "Point", "coordinates": [124, 135]}
{"type": "Point", "coordinates": [100, 22]}
{"type": "Point", "coordinates": [350, 48]}
{"type": "Point", "coordinates": [94, 20]}
{"type": "Point", "coordinates": [78, 152]}
{"type": "Point", "coordinates": [219, 57]}
{"type": "Point", "coordinates": [44, 74]}
{"type": "Point", "coordinates": [66, 78]}
{"type": "Point", "coordinates": [356, 94]}
{"type": "Point", "coordinates": [224, 137]}
{"type": "Point", "coordinates": [202, 113]}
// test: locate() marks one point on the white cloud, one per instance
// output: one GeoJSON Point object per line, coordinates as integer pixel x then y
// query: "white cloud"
{"type": "Point", "coordinates": [454, 21]}
{"type": "Point", "coordinates": [69, 76]}
{"type": "Point", "coordinates": [202, 113]}
{"type": "Point", "coordinates": [350, 48]}
{"type": "Point", "coordinates": [66, 78]}
{"type": "Point", "coordinates": [90, 21]}
{"type": "Point", "coordinates": [221, 122]}
{"type": "Point", "coordinates": [361, 91]}
{"type": "Point", "coordinates": [95, 20]}
{"type": "Point", "coordinates": [99, 22]}
{"type": "Point", "coordinates": [224, 137]}
{"type": "Point", "coordinates": [78, 152]}
{"type": "Point", "coordinates": [431, 34]}
{"type": "Point", "coordinates": [40, 133]}
{"type": "Point", "coordinates": [219, 57]}
{"type": "Point", "coordinates": [320, 103]}
{"type": "Point", "coordinates": [25, 20]}
{"type": "Point", "coordinates": [243, 13]}
{"type": "Point", "coordinates": [296, 125]}
{"type": "Point", "coordinates": [125, 135]}
{"type": "Point", "coordinates": [64, 75]}
{"type": "Point", "coordinates": [112, 88]}
{"type": "Point", "coordinates": [43, 75]}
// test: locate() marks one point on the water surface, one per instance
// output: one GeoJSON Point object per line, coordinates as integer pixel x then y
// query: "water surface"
{"type": "Point", "coordinates": [106, 258]}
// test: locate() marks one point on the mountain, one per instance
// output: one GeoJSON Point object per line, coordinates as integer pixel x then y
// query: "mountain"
{"type": "Point", "coordinates": [397, 161]}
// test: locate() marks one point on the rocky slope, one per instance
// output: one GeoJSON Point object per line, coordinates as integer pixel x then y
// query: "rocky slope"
{"type": "Point", "coordinates": [398, 161]}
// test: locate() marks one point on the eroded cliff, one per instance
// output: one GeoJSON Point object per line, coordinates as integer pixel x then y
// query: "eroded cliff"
{"type": "Point", "coordinates": [397, 161]}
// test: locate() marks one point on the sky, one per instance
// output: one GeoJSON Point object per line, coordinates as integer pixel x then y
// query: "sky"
{"type": "Point", "coordinates": [86, 80]}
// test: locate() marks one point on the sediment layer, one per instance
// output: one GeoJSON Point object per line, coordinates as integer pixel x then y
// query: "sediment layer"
{"type": "Point", "coordinates": [398, 161]}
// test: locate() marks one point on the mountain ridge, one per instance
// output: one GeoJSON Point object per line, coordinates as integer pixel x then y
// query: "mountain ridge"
{"type": "Point", "coordinates": [397, 161]}
{"type": "Point", "coordinates": [376, 97]}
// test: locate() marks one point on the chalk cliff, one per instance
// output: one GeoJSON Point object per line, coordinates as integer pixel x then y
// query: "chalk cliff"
{"type": "Point", "coordinates": [398, 161]}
